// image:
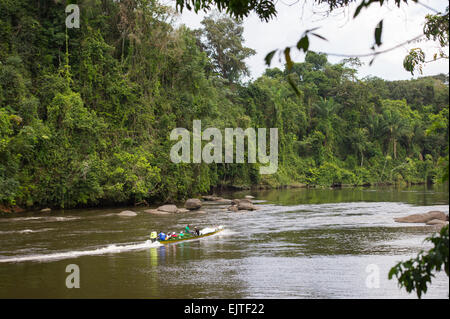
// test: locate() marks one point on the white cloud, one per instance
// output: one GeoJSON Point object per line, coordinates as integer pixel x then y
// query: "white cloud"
{"type": "Point", "coordinates": [345, 35]}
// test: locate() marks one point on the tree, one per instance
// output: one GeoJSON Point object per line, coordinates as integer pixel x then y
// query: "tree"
{"type": "Point", "coordinates": [326, 110]}
{"type": "Point", "coordinates": [223, 42]}
{"type": "Point", "coordinates": [359, 139]}
{"type": "Point", "coordinates": [395, 122]}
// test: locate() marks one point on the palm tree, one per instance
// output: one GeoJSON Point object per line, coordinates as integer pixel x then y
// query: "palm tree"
{"type": "Point", "coordinates": [395, 126]}
{"type": "Point", "coordinates": [360, 141]}
{"type": "Point", "coordinates": [325, 110]}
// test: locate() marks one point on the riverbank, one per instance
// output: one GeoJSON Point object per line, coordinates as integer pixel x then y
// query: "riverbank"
{"type": "Point", "coordinates": [5, 210]}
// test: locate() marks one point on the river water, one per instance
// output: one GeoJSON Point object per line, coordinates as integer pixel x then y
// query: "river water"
{"type": "Point", "coordinates": [302, 243]}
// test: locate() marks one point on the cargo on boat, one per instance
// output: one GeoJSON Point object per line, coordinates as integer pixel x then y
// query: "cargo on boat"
{"type": "Point", "coordinates": [183, 236]}
{"type": "Point", "coordinates": [189, 236]}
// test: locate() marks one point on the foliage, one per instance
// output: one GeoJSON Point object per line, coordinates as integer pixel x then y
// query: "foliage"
{"type": "Point", "coordinates": [88, 123]}
{"type": "Point", "coordinates": [415, 274]}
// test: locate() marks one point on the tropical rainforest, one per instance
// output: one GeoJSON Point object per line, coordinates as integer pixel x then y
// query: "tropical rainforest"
{"type": "Point", "coordinates": [86, 113]}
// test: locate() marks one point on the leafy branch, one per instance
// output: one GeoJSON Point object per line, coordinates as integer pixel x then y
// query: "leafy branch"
{"type": "Point", "coordinates": [416, 274]}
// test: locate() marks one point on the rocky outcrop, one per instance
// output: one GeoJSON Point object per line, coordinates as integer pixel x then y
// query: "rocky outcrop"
{"type": "Point", "coordinates": [244, 205]}
{"type": "Point", "coordinates": [236, 201]}
{"type": "Point", "coordinates": [422, 218]}
{"type": "Point", "coordinates": [223, 201]}
{"type": "Point", "coordinates": [193, 203]}
{"type": "Point", "coordinates": [127, 213]}
{"type": "Point", "coordinates": [437, 222]}
{"type": "Point", "coordinates": [45, 210]}
{"type": "Point", "coordinates": [213, 199]}
{"type": "Point", "coordinates": [168, 208]}
{"type": "Point", "coordinates": [156, 212]}
{"type": "Point", "coordinates": [241, 204]}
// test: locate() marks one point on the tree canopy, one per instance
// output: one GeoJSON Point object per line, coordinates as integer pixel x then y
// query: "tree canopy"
{"type": "Point", "coordinates": [86, 114]}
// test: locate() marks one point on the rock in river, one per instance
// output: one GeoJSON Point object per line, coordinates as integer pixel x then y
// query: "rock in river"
{"type": "Point", "coordinates": [193, 203]}
{"type": "Point", "coordinates": [168, 208]}
{"type": "Point", "coordinates": [127, 213]}
{"type": "Point", "coordinates": [437, 222]}
{"type": "Point", "coordinates": [244, 205]}
{"type": "Point", "coordinates": [155, 211]}
{"type": "Point", "coordinates": [422, 218]}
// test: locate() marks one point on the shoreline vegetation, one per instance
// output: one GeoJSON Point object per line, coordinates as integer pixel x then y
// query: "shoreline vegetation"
{"type": "Point", "coordinates": [86, 114]}
{"type": "Point", "coordinates": [211, 198]}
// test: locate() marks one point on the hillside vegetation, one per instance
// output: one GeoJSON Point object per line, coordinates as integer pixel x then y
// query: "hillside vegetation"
{"type": "Point", "coordinates": [86, 114]}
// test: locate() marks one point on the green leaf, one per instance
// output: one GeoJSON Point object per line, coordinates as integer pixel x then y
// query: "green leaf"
{"type": "Point", "coordinates": [287, 56]}
{"type": "Point", "coordinates": [378, 32]}
{"type": "Point", "coordinates": [303, 44]}
{"type": "Point", "coordinates": [269, 57]}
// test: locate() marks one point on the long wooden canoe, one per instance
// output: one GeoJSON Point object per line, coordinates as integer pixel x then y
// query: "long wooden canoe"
{"type": "Point", "coordinates": [169, 241]}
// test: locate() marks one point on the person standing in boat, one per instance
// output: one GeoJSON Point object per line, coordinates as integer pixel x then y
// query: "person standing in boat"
{"type": "Point", "coordinates": [153, 236]}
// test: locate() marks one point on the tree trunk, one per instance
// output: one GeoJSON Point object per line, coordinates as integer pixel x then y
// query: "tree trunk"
{"type": "Point", "coordinates": [395, 148]}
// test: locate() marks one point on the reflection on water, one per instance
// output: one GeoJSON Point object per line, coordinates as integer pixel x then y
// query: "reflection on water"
{"type": "Point", "coordinates": [302, 243]}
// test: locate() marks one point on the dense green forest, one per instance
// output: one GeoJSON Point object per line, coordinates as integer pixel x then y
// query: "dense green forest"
{"type": "Point", "coordinates": [85, 114]}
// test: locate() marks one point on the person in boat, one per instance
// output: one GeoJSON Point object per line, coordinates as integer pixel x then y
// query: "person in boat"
{"type": "Point", "coordinates": [196, 231]}
{"type": "Point", "coordinates": [162, 236]}
{"type": "Point", "coordinates": [153, 236]}
{"type": "Point", "coordinates": [187, 230]}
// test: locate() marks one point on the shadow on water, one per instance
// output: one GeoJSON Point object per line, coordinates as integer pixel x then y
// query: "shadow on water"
{"type": "Point", "coordinates": [416, 195]}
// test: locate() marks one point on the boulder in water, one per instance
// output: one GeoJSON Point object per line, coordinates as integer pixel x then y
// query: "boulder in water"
{"type": "Point", "coordinates": [127, 213]}
{"type": "Point", "coordinates": [183, 210]}
{"type": "Point", "coordinates": [223, 201]}
{"type": "Point", "coordinates": [244, 205]}
{"type": "Point", "coordinates": [168, 208]}
{"type": "Point", "coordinates": [422, 218]}
{"type": "Point", "coordinates": [193, 203]}
{"type": "Point", "coordinates": [437, 222]}
{"type": "Point", "coordinates": [156, 212]}
{"type": "Point", "coordinates": [45, 210]}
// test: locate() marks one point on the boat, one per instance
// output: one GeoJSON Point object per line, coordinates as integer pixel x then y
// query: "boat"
{"type": "Point", "coordinates": [203, 233]}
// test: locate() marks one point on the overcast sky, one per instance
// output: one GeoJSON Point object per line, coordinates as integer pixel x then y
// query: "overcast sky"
{"type": "Point", "coordinates": [345, 35]}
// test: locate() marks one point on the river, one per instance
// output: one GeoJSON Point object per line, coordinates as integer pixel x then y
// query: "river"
{"type": "Point", "coordinates": [302, 243]}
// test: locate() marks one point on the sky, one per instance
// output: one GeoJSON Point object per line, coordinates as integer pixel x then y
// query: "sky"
{"type": "Point", "coordinates": [344, 35]}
